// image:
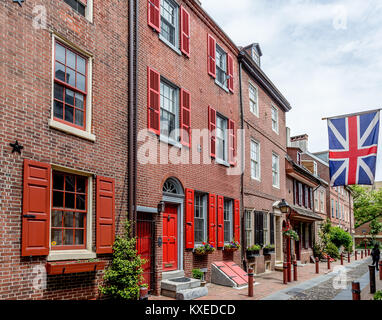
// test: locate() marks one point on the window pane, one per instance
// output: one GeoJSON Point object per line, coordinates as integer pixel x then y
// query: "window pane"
{"type": "Point", "coordinates": [56, 218]}
{"type": "Point", "coordinates": [60, 53]}
{"type": "Point", "coordinates": [69, 183]}
{"type": "Point", "coordinates": [60, 71]}
{"type": "Point", "coordinates": [79, 118]}
{"type": "Point", "coordinates": [68, 219]}
{"type": "Point", "coordinates": [81, 183]}
{"type": "Point", "coordinates": [58, 109]}
{"type": "Point", "coordinates": [80, 82]}
{"type": "Point", "coordinates": [58, 199]}
{"type": "Point", "coordinates": [79, 101]}
{"type": "Point", "coordinates": [79, 220]}
{"type": "Point", "coordinates": [69, 200]}
{"type": "Point", "coordinates": [71, 77]}
{"type": "Point", "coordinates": [69, 97]}
{"type": "Point", "coordinates": [57, 236]}
{"type": "Point", "coordinates": [58, 92]}
{"type": "Point", "coordinates": [79, 234]}
{"type": "Point", "coordinates": [69, 114]}
{"type": "Point", "coordinates": [58, 181]}
{"type": "Point", "coordinates": [81, 65]}
{"type": "Point", "coordinates": [68, 237]}
{"type": "Point", "coordinates": [80, 202]}
{"type": "Point", "coordinates": [70, 59]}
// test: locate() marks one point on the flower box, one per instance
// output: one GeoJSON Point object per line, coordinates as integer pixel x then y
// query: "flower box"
{"type": "Point", "coordinates": [251, 254]}
{"type": "Point", "coordinates": [227, 249]}
{"type": "Point", "coordinates": [268, 250]}
{"type": "Point", "coordinates": [65, 267]}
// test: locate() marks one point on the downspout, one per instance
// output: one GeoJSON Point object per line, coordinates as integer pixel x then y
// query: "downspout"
{"type": "Point", "coordinates": [242, 164]}
{"type": "Point", "coordinates": [132, 98]}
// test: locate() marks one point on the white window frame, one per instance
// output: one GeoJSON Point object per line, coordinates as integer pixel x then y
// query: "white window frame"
{"type": "Point", "coordinates": [266, 228]}
{"type": "Point", "coordinates": [316, 201]}
{"type": "Point", "coordinates": [315, 169]}
{"type": "Point", "coordinates": [88, 10]}
{"type": "Point", "coordinates": [255, 56]}
{"type": "Point", "coordinates": [277, 171]}
{"type": "Point", "coordinates": [203, 197]}
{"type": "Point", "coordinates": [258, 177]}
{"type": "Point", "coordinates": [176, 7]}
{"type": "Point", "coordinates": [230, 219]}
{"type": "Point", "coordinates": [225, 131]}
{"type": "Point", "coordinates": [275, 111]}
{"type": "Point", "coordinates": [249, 228]}
{"type": "Point", "coordinates": [322, 201]}
{"type": "Point", "coordinates": [251, 86]}
{"type": "Point", "coordinates": [85, 134]}
{"type": "Point", "coordinates": [87, 253]}
{"type": "Point", "coordinates": [225, 71]}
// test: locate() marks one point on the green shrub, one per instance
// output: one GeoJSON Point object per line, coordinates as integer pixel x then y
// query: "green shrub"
{"type": "Point", "coordinates": [197, 274]}
{"type": "Point", "coordinates": [123, 278]}
{"type": "Point", "coordinates": [378, 295]}
{"type": "Point", "coordinates": [332, 250]}
{"type": "Point", "coordinates": [318, 249]}
{"type": "Point", "coordinates": [340, 237]}
{"type": "Point", "coordinates": [254, 247]}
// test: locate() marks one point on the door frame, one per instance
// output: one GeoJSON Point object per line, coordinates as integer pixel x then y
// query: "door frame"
{"type": "Point", "coordinates": [179, 201]}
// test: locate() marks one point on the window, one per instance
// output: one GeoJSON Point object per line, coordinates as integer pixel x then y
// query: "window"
{"type": "Point", "coordinates": [300, 193]}
{"type": "Point", "coordinates": [275, 119]}
{"type": "Point", "coordinates": [228, 221]}
{"type": "Point", "coordinates": [253, 100]}
{"type": "Point", "coordinates": [332, 208]}
{"type": "Point", "coordinates": [221, 66]}
{"type": "Point", "coordinates": [200, 214]}
{"type": "Point", "coordinates": [69, 211]}
{"type": "Point", "coordinates": [315, 168]}
{"type": "Point", "coordinates": [248, 228]}
{"type": "Point", "coordinates": [169, 107]}
{"type": "Point", "coordinates": [77, 5]}
{"type": "Point", "coordinates": [265, 225]}
{"type": "Point", "coordinates": [299, 158]}
{"type": "Point", "coordinates": [322, 202]}
{"type": "Point", "coordinates": [259, 228]}
{"type": "Point", "coordinates": [316, 196]}
{"type": "Point", "coordinates": [221, 138]}
{"type": "Point", "coordinates": [255, 160]}
{"type": "Point", "coordinates": [275, 171]}
{"type": "Point", "coordinates": [255, 56]}
{"type": "Point", "coordinates": [69, 86]}
{"type": "Point", "coordinates": [169, 22]}
{"type": "Point", "coordinates": [336, 209]}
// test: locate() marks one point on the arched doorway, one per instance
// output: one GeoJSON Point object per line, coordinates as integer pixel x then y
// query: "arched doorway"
{"type": "Point", "coordinates": [172, 225]}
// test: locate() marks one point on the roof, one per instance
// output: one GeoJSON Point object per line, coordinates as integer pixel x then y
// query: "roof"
{"type": "Point", "coordinates": [306, 213]}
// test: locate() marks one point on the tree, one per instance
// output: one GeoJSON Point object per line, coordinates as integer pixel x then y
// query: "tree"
{"type": "Point", "coordinates": [124, 276]}
{"type": "Point", "coordinates": [375, 228]}
{"type": "Point", "coordinates": [367, 204]}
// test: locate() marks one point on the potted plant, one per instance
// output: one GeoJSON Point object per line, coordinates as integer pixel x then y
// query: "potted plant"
{"type": "Point", "coordinates": [204, 249]}
{"type": "Point", "coordinates": [198, 274]}
{"type": "Point", "coordinates": [253, 251]}
{"type": "Point", "coordinates": [268, 249]}
{"type": "Point", "coordinates": [74, 266]}
{"type": "Point", "coordinates": [143, 292]}
{"type": "Point", "coordinates": [290, 233]}
{"type": "Point", "coordinates": [232, 246]}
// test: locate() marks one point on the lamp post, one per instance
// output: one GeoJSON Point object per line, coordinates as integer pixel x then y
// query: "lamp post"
{"type": "Point", "coordinates": [286, 209]}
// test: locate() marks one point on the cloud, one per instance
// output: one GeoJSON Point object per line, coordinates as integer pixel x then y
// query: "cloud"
{"type": "Point", "coordinates": [324, 56]}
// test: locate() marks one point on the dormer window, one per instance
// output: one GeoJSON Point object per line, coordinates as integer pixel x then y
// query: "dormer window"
{"type": "Point", "coordinates": [255, 56]}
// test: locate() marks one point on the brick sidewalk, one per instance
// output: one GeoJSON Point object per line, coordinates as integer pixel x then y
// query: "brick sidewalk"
{"type": "Point", "coordinates": [365, 293]}
{"type": "Point", "coordinates": [268, 283]}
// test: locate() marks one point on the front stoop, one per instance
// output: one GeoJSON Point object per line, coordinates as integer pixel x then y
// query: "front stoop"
{"type": "Point", "coordinates": [187, 290]}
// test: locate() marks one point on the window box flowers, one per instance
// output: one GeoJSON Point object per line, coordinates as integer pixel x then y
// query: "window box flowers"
{"type": "Point", "coordinates": [268, 249]}
{"type": "Point", "coordinates": [253, 251]}
{"type": "Point", "coordinates": [74, 266]}
{"type": "Point", "coordinates": [204, 249]}
{"type": "Point", "coordinates": [290, 233]}
{"type": "Point", "coordinates": [232, 246]}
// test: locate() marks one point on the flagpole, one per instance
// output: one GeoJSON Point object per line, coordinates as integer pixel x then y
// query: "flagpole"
{"type": "Point", "coordinates": [351, 114]}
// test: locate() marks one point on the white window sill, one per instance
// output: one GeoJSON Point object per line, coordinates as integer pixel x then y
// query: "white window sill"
{"type": "Point", "coordinates": [170, 141]}
{"type": "Point", "coordinates": [71, 255]}
{"type": "Point", "coordinates": [222, 162]}
{"type": "Point", "coordinates": [222, 86]}
{"type": "Point", "coordinates": [163, 39]}
{"type": "Point", "coordinates": [275, 131]}
{"type": "Point", "coordinates": [71, 130]}
{"type": "Point", "coordinates": [276, 187]}
{"type": "Point", "coordinates": [256, 179]}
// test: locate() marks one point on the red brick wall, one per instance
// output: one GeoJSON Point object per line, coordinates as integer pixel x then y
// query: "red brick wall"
{"type": "Point", "coordinates": [191, 74]}
{"type": "Point", "coordinates": [25, 108]}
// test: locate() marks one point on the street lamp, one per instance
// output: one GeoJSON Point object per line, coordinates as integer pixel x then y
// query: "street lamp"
{"type": "Point", "coordinates": [286, 209]}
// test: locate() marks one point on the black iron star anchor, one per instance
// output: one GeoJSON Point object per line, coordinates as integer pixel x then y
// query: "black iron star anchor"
{"type": "Point", "coordinates": [20, 2]}
{"type": "Point", "coordinates": [16, 147]}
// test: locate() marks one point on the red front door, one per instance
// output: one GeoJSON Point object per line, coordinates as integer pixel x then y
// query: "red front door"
{"type": "Point", "coordinates": [170, 239]}
{"type": "Point", "coordinates": [144, 238]}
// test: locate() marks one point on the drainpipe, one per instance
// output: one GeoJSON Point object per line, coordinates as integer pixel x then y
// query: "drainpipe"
{"type": "Point", "coordinates": [132, 102]}
{"type": "Point", "coordinates": [242, 162]}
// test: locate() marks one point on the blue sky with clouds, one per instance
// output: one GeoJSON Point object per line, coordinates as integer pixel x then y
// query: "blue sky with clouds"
{"type": "Point", "coordinates": [325, 56]}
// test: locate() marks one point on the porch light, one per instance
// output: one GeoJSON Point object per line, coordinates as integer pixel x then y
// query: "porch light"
{"type": "Point", "coordinates": [161, 206]}
{"type": "Point", "coordinates": [284, 206]}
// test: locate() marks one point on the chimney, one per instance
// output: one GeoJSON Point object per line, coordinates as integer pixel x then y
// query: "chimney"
{"type": "Point", "coordinates": [300, 141]}
{"type": "Point", "coordinates": [288, 137]}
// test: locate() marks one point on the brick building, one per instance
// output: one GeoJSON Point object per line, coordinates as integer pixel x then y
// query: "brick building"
{"type": "Point", "coordinates": [64, 99]}
{"type": "Point", "coordinates": [188, 84]}
{"type": "Point", "coordinates": [263, 112]}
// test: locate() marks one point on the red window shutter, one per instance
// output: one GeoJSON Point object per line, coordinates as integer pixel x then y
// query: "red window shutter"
{"type": "Point", "coordinates": [212, 130]}
{"type": "Point", "coordinates": [220, 221]}
{"type": "Point", "coordinates": [230, 72]}
{"type": "Point", "coordinates": [189, 219]}
{"type": "Point", "coordinates": [105, 214]}
{"type": "Point", "coordinates": [153, 14]}
{"type": "Point", "coordinates": [185, 117]}
{"type": "Point", "coordinates": [153, 100]}
{"type": "Point", "coordinates": [211, 56]}
{"type": "Point", "coordinates": [212, 219]}
{"type": "Point", "coordinates": [36, 209]}
{"type": "Point", "coordinates": [231, 142]}
{"type": "Point", "coordinates": [184, 31]}
{"type": "Point", "coordinates": [236, 211]}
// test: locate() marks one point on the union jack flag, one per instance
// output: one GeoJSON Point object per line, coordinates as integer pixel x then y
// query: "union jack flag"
{"type": "Point", "coordinates": [353, 142]}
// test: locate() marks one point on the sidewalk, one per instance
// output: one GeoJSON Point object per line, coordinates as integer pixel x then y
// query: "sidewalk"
{"type": "Point", "coordinates": [269, 286]}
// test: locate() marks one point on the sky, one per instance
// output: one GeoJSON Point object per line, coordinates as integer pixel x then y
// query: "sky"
{"type": "Point", "coordinates": [324, 56]}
